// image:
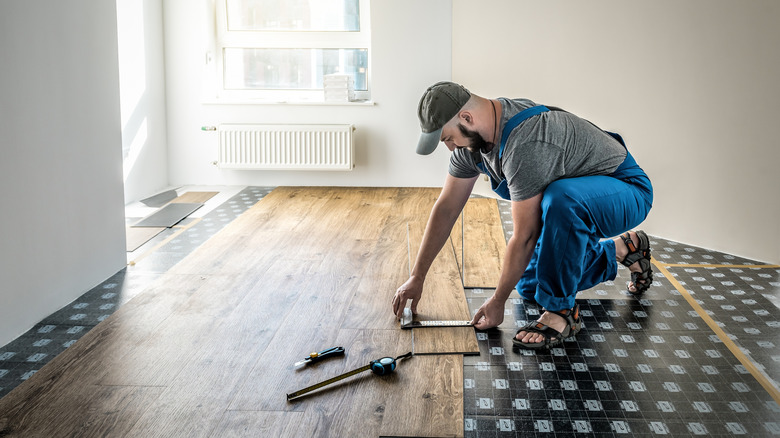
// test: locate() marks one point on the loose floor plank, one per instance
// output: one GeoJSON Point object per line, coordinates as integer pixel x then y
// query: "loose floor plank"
{"type": "Point", "coordinates": [446, 340]}
{"type": "Point", "coordinates": [456, 243]}
{"type": "Point", "coordinates": [433, 395]}
{"type": "Point", "coordinates": [387, 263]}
{"type": "Point", "coordinates": [484, 243]}
{"type": "Point", "coordinates": [443, 299]}
{"type": "Point", "coordinates": [137, 236]}
{"type": "Point", "coordinates": [198, 197]}
{"type": "Point", "coordinates": [443, 295]}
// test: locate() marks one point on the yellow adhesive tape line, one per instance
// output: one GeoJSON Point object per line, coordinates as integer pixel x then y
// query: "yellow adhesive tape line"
{"type": "Point", "coordinates": [747, 363]}
{"type": "Point", "coordinates": [164, 242]}
{"type": "Point", "coordinates": [684, 265]}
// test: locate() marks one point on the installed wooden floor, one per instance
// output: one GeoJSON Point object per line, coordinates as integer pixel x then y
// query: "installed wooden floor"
{"type": "Point", "coordinates": [208, 350]}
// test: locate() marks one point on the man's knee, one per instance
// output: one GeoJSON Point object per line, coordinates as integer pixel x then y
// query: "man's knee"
{"type": "Point", "coordinates": [557, 203]}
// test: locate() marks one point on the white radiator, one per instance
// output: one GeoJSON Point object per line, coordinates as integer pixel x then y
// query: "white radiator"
{"type": "Point", "coordinates": [296, 147]}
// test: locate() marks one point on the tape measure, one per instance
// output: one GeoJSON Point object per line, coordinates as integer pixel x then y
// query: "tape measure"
{"type": "Point", "coordinates": [380, 367]}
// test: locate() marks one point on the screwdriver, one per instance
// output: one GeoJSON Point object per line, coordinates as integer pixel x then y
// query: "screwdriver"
{"type": "Point", "coordinates": [318, 356]}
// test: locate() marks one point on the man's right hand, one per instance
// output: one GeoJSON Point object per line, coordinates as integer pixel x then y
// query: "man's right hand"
{"type": "Point", "coordinates": [411, 290]}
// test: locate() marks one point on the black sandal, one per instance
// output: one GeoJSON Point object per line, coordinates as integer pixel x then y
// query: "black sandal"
{"type": "Point", "coordinates": [643, 279]}
{"type": "Point", "coordinates": [552, 337]}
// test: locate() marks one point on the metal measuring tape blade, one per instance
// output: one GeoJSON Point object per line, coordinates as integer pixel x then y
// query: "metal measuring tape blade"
{"type": "Point", "coordinates": [380, 367]}
{"type": "Point", "coordinates": [408, 322]}
{"type": "Point", "coordinates": [425, 324]}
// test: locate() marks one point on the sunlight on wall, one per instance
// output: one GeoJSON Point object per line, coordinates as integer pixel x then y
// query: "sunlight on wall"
{"type": "Point", "coordinates": [141, 136]}
{"type": "Point", "coordinates": [132, 78]}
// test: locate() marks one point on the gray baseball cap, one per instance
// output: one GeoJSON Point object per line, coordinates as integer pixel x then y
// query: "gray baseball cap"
{"type": "Point", "coordinates": [441, 102]}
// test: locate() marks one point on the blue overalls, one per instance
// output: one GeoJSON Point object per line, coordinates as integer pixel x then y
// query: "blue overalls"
{"type": "Point", "coordinates": [576, 214]}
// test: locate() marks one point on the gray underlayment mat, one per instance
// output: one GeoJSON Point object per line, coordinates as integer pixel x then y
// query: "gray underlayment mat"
{"type": "Point", "coordinates": [160, 199]}
{"type": "Point", "coordinates": [169, 215]}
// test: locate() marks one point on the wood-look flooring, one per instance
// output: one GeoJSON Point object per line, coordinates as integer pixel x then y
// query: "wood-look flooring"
{"type": "Point", "coordinates": [479, 230]}
{"type": "Point", "coordinates": [208, 350]}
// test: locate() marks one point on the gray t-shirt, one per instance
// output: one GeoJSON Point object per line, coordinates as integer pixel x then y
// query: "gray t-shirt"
{"type": "Point", "coordinates": [542, 149]}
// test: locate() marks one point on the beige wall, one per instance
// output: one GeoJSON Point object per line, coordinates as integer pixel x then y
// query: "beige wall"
{"type": "Point", "coordinates": [691, 85]}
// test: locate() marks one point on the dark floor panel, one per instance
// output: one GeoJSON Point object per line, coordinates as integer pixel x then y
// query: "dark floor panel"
{"type": "Point", "coordinates": [667, 251]}
{"type": "Point", "coordinates": [169, 215]}
{"type": "Point", "coordinates": [640, 367]}
{"type": "Point", "coordinates": [160, 199]}
{"type": "Point", "coordinates": [615, 379]}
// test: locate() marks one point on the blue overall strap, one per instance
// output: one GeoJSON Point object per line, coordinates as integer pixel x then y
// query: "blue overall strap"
{"type": "Point", "coordinates": [516, 120]}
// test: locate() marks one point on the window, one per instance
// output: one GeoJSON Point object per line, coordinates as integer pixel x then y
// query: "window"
{"type": "Point", "coordinates": [282, 49]}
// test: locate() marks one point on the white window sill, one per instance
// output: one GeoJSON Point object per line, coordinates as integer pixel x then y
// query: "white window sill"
{"type": "Point", "coordinates": [217, 101]}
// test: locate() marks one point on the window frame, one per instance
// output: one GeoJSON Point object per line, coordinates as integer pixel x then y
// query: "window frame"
{"type": "Point", "coordinates": [222, 38]}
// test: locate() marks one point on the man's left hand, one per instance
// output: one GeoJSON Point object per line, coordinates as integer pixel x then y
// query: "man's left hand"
{"type": "Point", "coordinates": [489, 315]}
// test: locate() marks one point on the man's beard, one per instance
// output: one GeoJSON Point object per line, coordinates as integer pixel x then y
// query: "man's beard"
{"type": "Point", "coordinates": [476, 142]}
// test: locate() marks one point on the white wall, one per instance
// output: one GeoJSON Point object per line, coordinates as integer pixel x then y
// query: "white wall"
{"type": "Point", "coordinates": [142, 97]}
{"type": "Point", "coordinates": [411, 43]}
{"type": "Point", "coordinates": [692, 85]}
{"type": "Point", "coordinates": [62, 227]}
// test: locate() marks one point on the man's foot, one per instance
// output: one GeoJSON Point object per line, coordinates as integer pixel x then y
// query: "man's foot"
{"type": "Point", "coordinates": [549, 319]}
{"type": "Point", "coordinates": [550, 329]}
{"type": "Point", "coordinates": [632, 249]}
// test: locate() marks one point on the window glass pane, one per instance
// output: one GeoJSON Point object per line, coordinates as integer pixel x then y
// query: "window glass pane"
{"type": "Point", "coordinates": [291, 69]}
{"type": "Point", "coordinates": [298, 15]}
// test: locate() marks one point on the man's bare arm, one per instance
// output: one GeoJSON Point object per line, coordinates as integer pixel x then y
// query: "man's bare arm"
{"type": "Point", "coordinates": [527, 219]}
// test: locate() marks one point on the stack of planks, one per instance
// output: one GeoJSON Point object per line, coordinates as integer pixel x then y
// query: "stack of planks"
{"type": "Point", "coordinates": [208, 349]}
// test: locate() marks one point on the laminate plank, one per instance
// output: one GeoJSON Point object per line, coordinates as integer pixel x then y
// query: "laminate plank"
{"type": "Point", "coordinates": [317, 422]}
{"type": "Point", "coordinates": [484, 243]}
{"type": "Point", "coordinates": [336, 254]}
{"type": "Point", "coordinates": [456, 241]}
{"type": "Point", "coordinates": [102, 348]}
{"type": "Point", "coordinates": [443, 299]}
{"type": "Point", "coordinates": [137, 236]}
{"type": "Point", "coordinates": [387, 268]}
{"type": "Point", "coordinates": [298, 223]}
{"type": "Point", "coordinates": [274, 375]}
{"type": "Point", "coordinates": [430, 402]}
{"type": "Point", "coordinates": [87, 411]}
{"type": "Point", "coordinates": [387, 263]}
{"type": "Point", "coordinates": [193, 404]}
{"type": "Point", "coordinates": [443, 295]}
{"type": "Point", "coordinates": [238, 424]}
{"type": "Point", "coordinates": [259, 235]}
{"type": "Point", "coordinates": [446, 340]}
{"type": "Point", "coordinates": [358, 412]}
{"type": "Point", "coordinates": [194, 197]}
{"type": "Point", "coordinates": [423, 397]}
{"type": "Point", "coordinates": [158, 360]}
